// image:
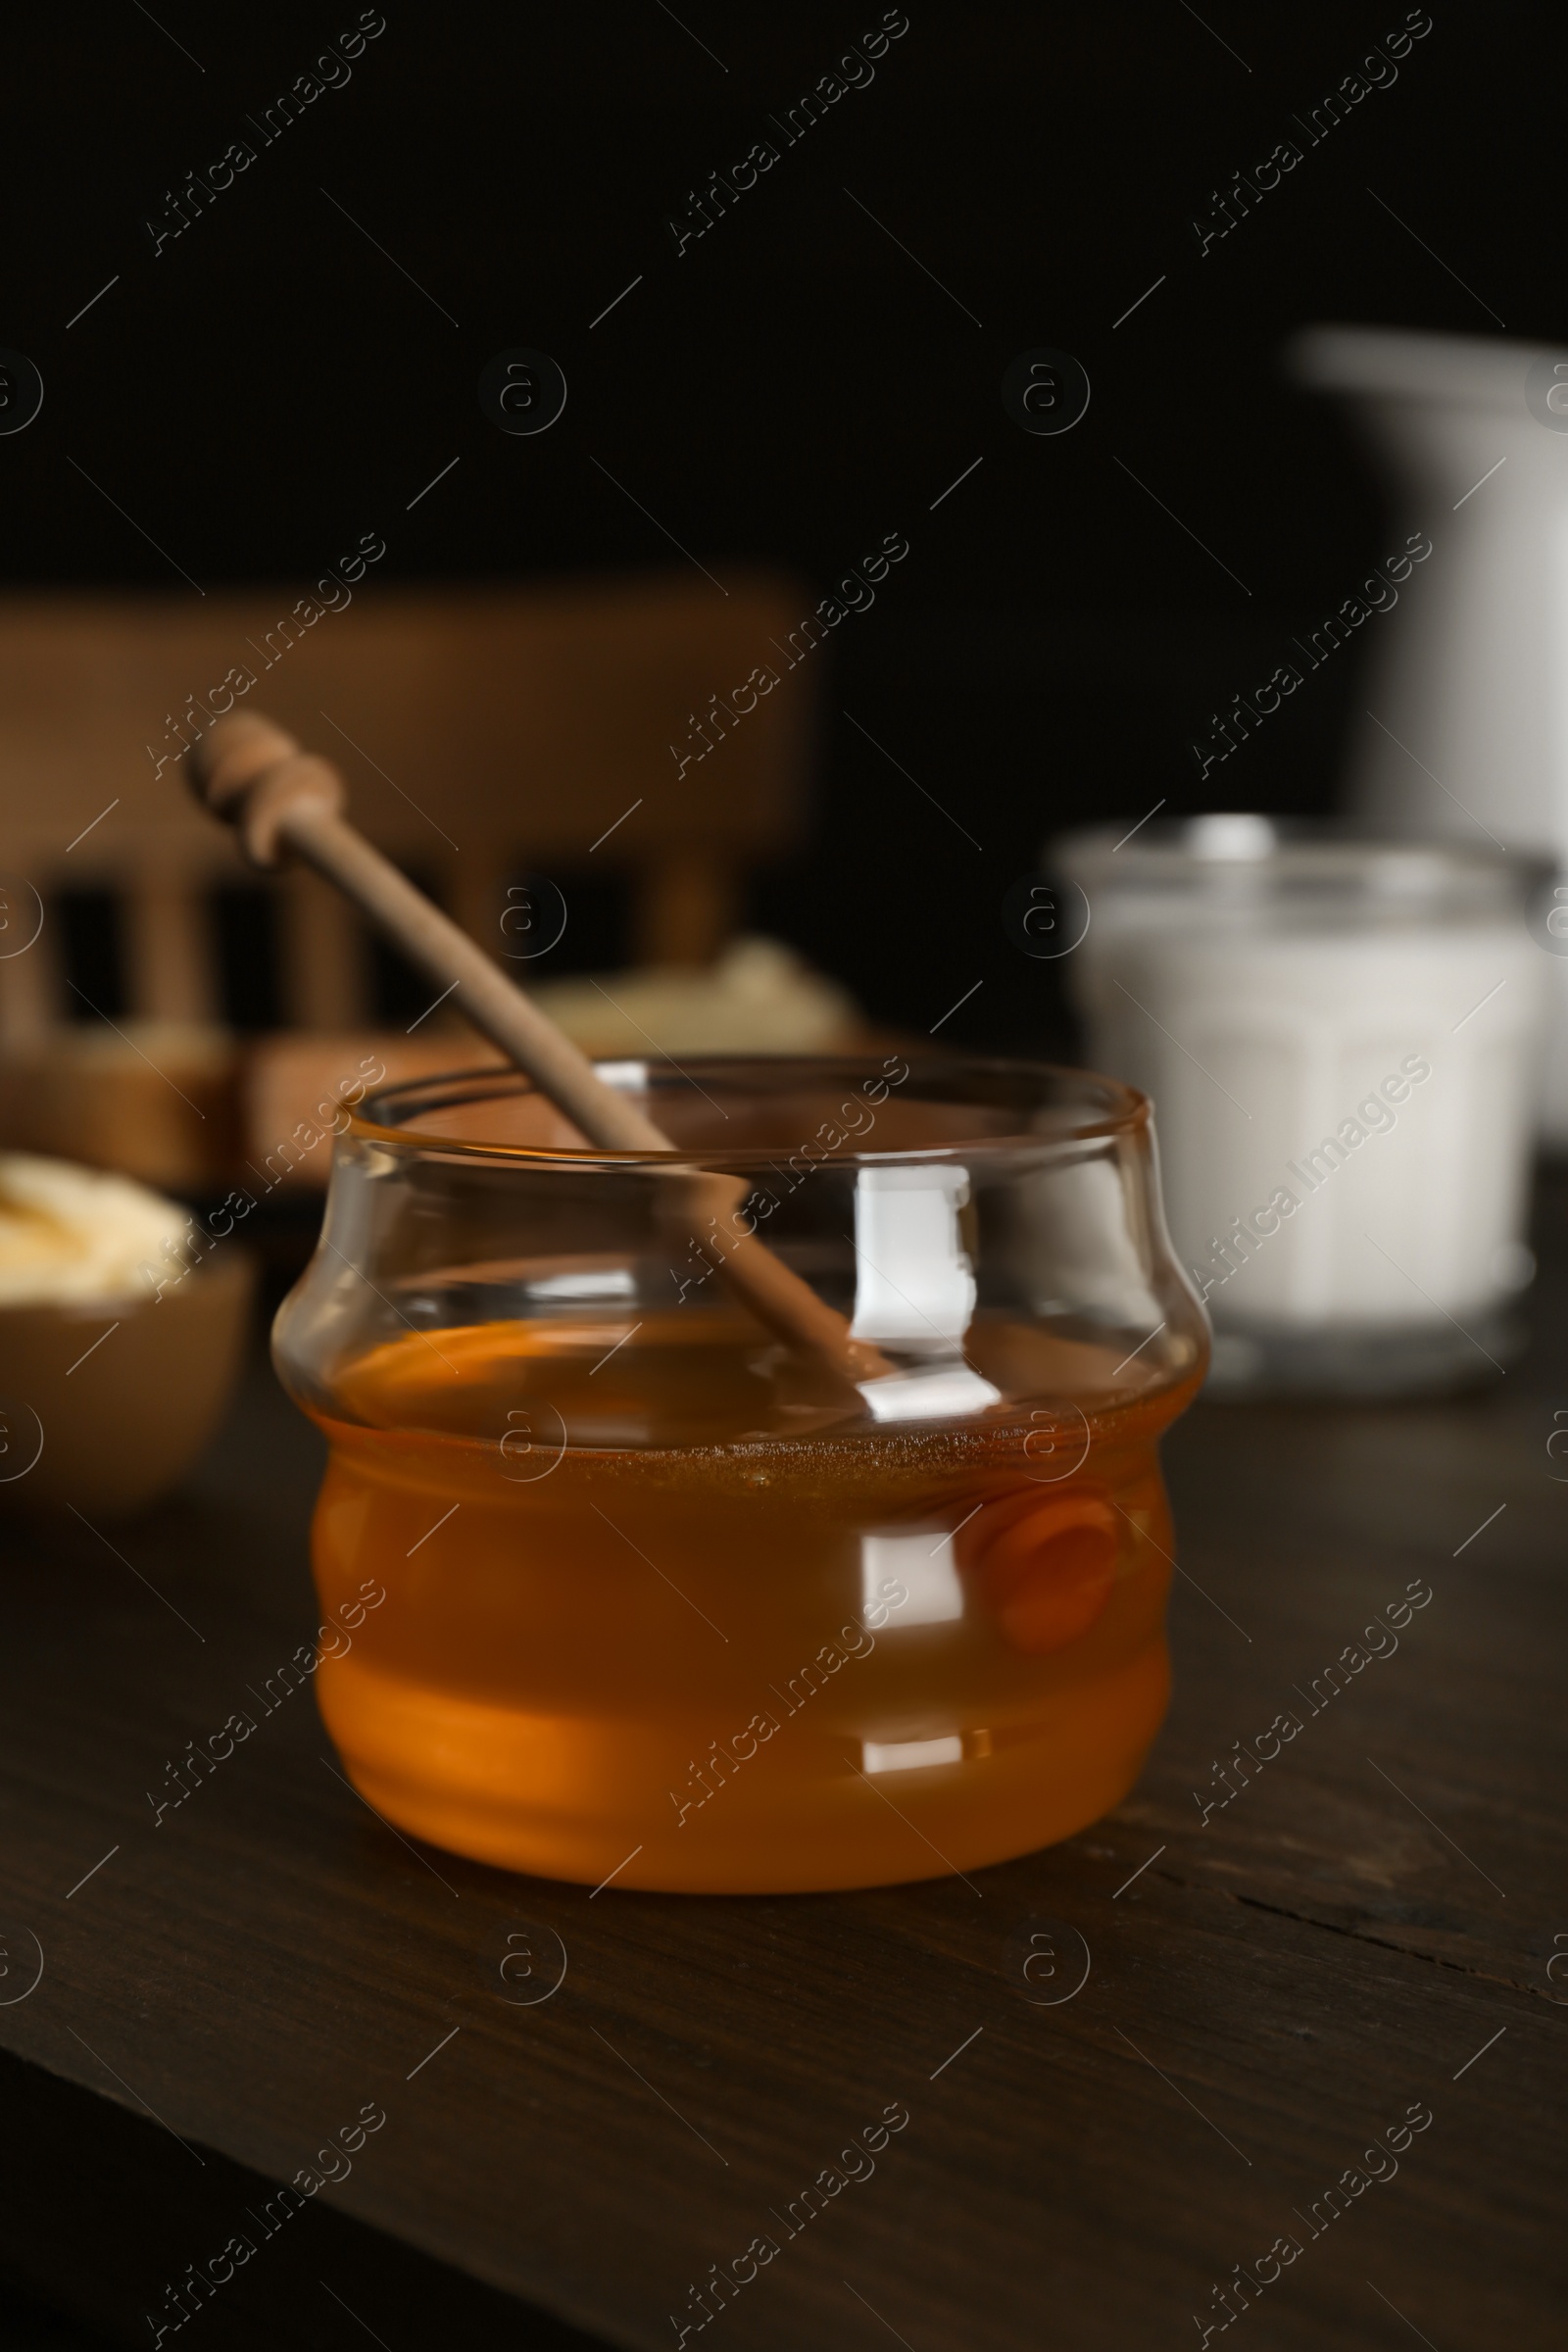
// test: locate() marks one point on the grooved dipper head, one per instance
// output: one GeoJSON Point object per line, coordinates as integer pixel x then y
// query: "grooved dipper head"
{"type": "Point", "coordinates": [251, 772]}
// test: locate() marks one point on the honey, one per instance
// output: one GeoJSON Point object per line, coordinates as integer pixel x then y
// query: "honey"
{"type": "Point", "coordinates": [660, 1611]}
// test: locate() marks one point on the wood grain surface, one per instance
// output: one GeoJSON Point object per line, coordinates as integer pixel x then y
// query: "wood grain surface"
{"type": "Point", "coordinates": [1365, 1929]}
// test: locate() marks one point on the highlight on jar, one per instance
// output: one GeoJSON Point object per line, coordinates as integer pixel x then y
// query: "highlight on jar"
{"type": "Point", "coordinates": [692, 1590]}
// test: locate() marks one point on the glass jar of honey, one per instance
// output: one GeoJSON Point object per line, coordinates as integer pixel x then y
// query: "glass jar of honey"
{"type": "Point", "coordinates": [673, 1602]}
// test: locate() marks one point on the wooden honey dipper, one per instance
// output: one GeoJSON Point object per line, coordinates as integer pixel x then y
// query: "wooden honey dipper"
{"type": "Point", "coordinates": [283, 801]}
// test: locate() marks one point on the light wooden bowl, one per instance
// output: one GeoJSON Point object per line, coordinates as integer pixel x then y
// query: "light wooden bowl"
{"type": "Point", "coordinates": [107, 1428]}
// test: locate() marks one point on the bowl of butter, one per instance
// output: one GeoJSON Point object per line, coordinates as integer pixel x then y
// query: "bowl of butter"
{"type": "Point", "coordinates": [120, 1344]}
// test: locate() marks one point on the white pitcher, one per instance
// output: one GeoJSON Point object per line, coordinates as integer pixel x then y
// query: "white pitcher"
{"type": "Point", "coordinates": [1463, 730]}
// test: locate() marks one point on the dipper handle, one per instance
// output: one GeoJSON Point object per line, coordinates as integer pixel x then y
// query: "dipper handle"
{"type": "Point", "coordinates": [283, 799]}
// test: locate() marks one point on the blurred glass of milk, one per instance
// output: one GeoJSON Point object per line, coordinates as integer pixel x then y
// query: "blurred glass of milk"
{"type": "Point", "coordinates": [1342, 1039]}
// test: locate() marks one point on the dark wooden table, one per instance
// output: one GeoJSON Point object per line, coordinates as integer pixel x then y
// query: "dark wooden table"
{"type": "Point", "coordinates": [1367, 1928]}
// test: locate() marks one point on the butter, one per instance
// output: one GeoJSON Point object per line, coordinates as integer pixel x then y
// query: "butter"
{"type": "Point", "coordinates": [70, 1233]}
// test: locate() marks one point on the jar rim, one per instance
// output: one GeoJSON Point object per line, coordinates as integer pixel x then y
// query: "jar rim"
{"type": "Point", "coordinates": [1210, 853]}
{"type": "Point", "coordinates": [1106, 1108]}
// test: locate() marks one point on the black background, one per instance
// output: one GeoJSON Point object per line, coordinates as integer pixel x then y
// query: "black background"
{"type": "Point", "coordinates": [795, 385]}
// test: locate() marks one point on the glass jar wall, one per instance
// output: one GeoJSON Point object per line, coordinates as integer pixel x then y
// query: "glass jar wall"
{"type": "Point", "coordinates": [666, 1597]}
